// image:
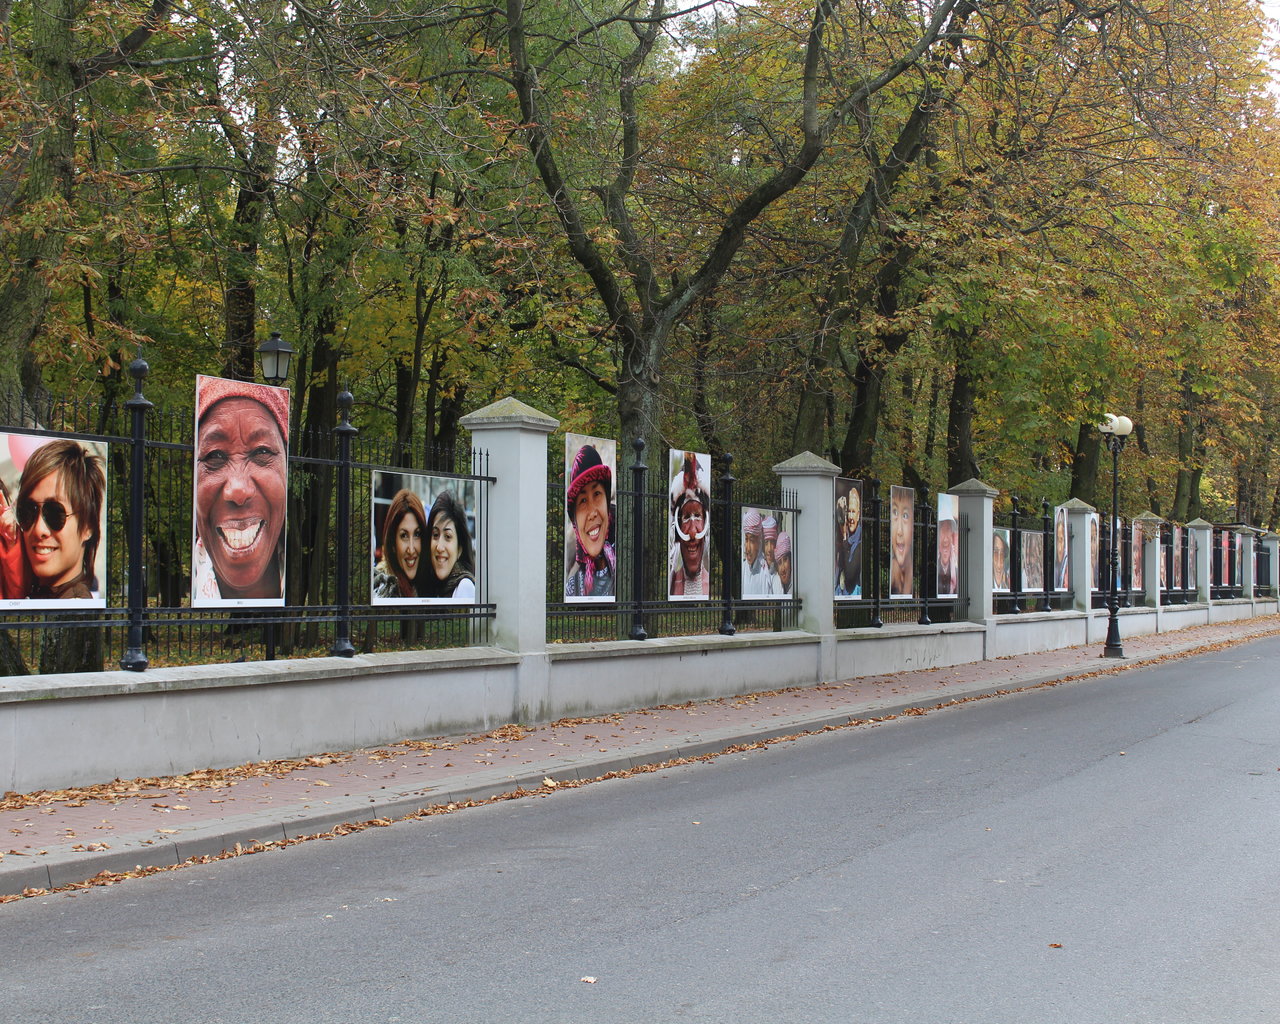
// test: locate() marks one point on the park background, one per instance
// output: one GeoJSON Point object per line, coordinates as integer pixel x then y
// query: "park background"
{"type": "Point", "coordinates": [929, 242]}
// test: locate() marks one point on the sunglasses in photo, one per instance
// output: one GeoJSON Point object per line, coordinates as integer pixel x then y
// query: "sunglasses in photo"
{"type": "Point", "coordinates": [54, 515]}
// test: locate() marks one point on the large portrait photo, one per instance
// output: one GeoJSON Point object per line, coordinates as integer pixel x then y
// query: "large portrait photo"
{"type": "Point", "coordinates": [689, 526]}
{"type": "Point", "coordinates": [53, 522]}
{"type": "Point", "coordinates": [848, 526]}
{"type": "Point", "coordinates": [948, 545]}
{"type": "Point", "coordinates": [241, 484]}
{"type": "Point", "coordinates": [902, 529]}
{"type": "Point", "coordinates": [590, 499]}
{"type": "Point", "coordinates": [766, 553]}
{"type": "Point", "coordinates": [1061, 550]}
{"type": "Point", "coordinates": [1001, 560]}
{"type": "Point", "coordinates": [423, 546]}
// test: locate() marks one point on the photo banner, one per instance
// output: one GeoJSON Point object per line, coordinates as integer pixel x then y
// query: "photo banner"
{"type": "Point", "coordinates": [423, 547]}
{"type": "Point", "coordinates": [53, 522]}
{"type": "Point", "coordinates": [239, 500]}
{"type": "Point", "coordinates": [767, 553]}
{"type": "Point", "coordinates": [902, 522]}
{"type": "Point", "coordinates": [1061, 550]}
{"type": "Point", "coordinates": [591, 516]}
{"type": "Point", "coordinates": [948, 545]}
{"type": "Point", "coordinates": [688, 526]}
{"type": "Point", "coordinates": [849, 534]}
{"type": "Point", "coordinates": [1001, 560]}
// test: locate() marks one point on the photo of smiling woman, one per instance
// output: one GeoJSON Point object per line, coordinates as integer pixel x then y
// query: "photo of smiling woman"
{"type": "Point", "coordinates": [590, 570]}
{"type": "Point", "coordinates": [421, 539]}
{"type": "Point", "coordinates": [902, 522]}
{"type": "Point", "coordinates": [51, 549]}
{"type": "Point", "coordinates": [399, 548]}
{"type": "Point", "coordinates": [241, 471]}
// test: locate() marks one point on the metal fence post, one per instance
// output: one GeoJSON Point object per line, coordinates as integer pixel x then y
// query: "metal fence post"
{"type": "Point", "coordinates": [928, 580]}
{"type": "Point", "coordinates": [638, 471]}
{"type": "Point", "coordinates": [1015, 554]}
{"type": "Point", "coordinates": [731, 563]}
{"type": "Point", "coordinates": [1046, 555]}
{"type": "Point", "coordinates": [135, 655]}
{"type": "Point", "coordinates": [876, 554]}
{"type": "Point", "coordinates": [342, 646]}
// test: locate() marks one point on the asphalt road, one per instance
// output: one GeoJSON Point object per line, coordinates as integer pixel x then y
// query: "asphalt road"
{"type": "Point", "coordinates": [1103, 851]}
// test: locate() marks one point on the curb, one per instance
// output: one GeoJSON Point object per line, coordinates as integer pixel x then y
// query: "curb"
{"type": "Point", "coordinates": [63, 866]}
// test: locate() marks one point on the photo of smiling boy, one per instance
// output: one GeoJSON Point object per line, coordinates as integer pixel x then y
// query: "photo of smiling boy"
{"type": "Point", "coordinates": [591, 563]}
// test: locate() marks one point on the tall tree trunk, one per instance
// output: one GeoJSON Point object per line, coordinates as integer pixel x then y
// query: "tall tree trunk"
{"type": "Point", "coordinates": [961, 463]}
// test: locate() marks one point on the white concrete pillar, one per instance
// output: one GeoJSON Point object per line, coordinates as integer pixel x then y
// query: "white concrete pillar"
{"type": "Point", "coordinates": [813, 550]}
{"type": "Point", "coordinates": [1151, 523]}
{"type": "Point", "coordinates": [515, 566]}
{"type": "Point", "coordinates": [1080, 557]}
{"type": "Point", "coordinates": [975, 503]}
{"type": "Point", "coordinates": [1203, 533]}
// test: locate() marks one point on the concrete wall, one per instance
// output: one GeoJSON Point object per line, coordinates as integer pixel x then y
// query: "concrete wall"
{"type": "Point", "coordinates": [60, 731]}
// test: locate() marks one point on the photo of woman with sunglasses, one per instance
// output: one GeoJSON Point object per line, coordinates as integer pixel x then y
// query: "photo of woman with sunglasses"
{"type": "Point", "coordinates": [51, 547]}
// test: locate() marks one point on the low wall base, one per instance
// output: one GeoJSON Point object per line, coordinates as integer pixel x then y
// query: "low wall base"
{"type": "Point", "coordinates": [63, 731]}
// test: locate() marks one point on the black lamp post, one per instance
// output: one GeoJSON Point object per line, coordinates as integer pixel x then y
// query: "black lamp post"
{"type": "Point", "coordinates": [1115, 431]}
{"type": "Point", "coordinates": [274, 356]}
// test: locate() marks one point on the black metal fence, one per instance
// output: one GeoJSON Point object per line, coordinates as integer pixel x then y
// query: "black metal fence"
{"type": "Point", "coordinates": [148, 620]}
{"type": "Point", "coordinates": [881, 601]}
{"type": "Point", "coordinates": [641, 607]}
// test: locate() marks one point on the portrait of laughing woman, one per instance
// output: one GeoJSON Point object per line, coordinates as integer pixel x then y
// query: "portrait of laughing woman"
{"type": "Point", "coordinates": [241, 477]}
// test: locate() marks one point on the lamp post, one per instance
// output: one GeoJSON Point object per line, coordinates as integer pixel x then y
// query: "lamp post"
{"type": "Point", "coordinates": [274, 355]}
{"type": "Point", "coordinates": [1115, 431]}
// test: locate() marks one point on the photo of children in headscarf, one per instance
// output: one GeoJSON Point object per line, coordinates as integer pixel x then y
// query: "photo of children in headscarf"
{"type": "Point", "coordinates": [53, 522]}
{"type": "Point", "coordinates": [1032, 561]}
{"type": "Point", "coordinates": [902, 523]}
{"type": "Point", "coordinates": [948, 546]}
{"type": "Point", "coordinates": [422, 548]}
{"type": "Point", "coordinates": [1135, 553]}
{"type": "Point", "coordinates": [689, 526]}
{"type": "Point", "coordinates": [848, 524]}
{"type": "Point", "coordinates": [1177, 558]}
{"type": "Point", "coordinates": [1061, 561]}
{"type": "Point", "coordinates": [757, 581]}
{"type": "Point", "coordinates": [590, 571]}
{"type": "Point", "coordinates": [1000, 560]}
{"type": "Point", "coordinates": [1193, 552]}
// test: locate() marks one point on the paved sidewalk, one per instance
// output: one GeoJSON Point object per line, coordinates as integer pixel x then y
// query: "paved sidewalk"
{"type": "Point", "coordinates": [50, 840]}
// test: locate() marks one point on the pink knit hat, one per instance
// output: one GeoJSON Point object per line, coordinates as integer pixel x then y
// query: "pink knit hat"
{"type": "Point", "coordinates": [212, 390]}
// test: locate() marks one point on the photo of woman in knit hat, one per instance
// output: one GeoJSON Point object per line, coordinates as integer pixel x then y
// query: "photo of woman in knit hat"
{"type": "Point", "coordinates": [689, 526]}
{"type": "Point", "coordinates": [53, 519]}
{"type": "Point", "coordinates": [241, 482]}
{"type": "Point", "coordinates": [422, 550]}
{"type": "Point", "coordinates": [591, 569]}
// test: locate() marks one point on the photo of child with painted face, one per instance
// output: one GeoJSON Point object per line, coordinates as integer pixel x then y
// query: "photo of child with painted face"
{"type": "Point", "coordinates": [241, 482]}
{"type": "Point", "coordinates": [590, 519]}
{"type": "Point", "coordinates": [1177, 558]}
{"type": "Point", "coordinates": [948, 546]}
{"type": "Point", "coordinates": [689, 526]}
{"type": "Point", "coordinates": [422, 551]}
{"type": "Point", "coordinates": [902, 521]}
{"type": "Point", "coordinates": [1135, 550]}
{"type": "Point", "coordinates": [1000, 560]}
{"type": "Point", "coordinates": [51, 549]}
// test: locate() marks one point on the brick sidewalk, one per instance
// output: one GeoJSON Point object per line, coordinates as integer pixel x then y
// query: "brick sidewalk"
{"type": "Point", "coordinates": [51, 840]}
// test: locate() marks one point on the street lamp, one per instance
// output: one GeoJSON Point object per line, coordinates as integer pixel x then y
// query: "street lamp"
{"type": "Point", "coordinates": [274, 355]}
{"type": "Point", "coordinates": [1115, 431]}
